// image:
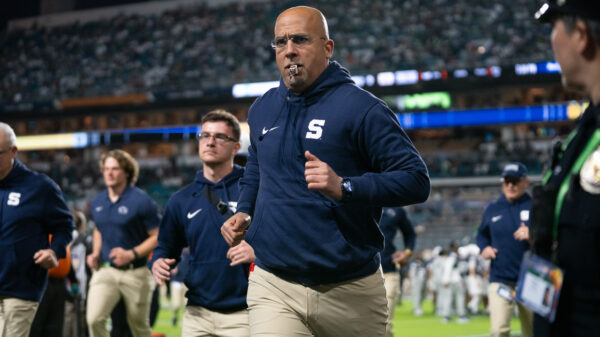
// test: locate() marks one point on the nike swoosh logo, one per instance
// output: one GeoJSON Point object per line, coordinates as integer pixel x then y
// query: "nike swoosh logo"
{"type": "Point", "coordinates": [496, 218]}
{"type": "Point", "coordinates": [191, 215]}
{"type": "Point", "coordinates": [265, 130]}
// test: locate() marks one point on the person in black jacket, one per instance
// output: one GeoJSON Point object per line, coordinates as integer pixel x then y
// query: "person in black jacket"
{"type": "Point", "coordinates": [566, 212]}
{"type": "Point", "coordinates": [32, 206]}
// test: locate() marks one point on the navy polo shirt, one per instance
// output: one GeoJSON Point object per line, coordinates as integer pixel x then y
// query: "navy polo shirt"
{"type": "Point", "coordinates": [124, 223]}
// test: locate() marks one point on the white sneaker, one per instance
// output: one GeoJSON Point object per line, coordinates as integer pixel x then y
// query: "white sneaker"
{"type": "Point", "coordinates": [463, 320]}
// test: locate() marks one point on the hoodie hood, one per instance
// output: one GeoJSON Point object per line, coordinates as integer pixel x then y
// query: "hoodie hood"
{"type": "Point", "coordinates": [223, 187]}
{"type": "Point", "coordinates": [237, 173]}
{"type": "Point", "coordinates": [17, 171]}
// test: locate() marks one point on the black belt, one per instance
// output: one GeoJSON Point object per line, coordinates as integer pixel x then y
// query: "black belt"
{"type": "Point", "coordinates": [133, 265]}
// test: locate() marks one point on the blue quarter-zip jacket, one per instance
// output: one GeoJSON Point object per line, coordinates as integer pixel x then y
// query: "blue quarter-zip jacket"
{"type": "Point", "coordinates": [394, 219]}
{"type": "Point", "coordinates": [302, 235]}
{"type": "Point", "coordinates": [31, 208]}
{"type": "Point", "coordinates": [191, 220]}
{"type": "Point", "coordinates": [498, 223]}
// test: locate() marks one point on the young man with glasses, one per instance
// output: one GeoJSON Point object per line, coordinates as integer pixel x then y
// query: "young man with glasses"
{"type": "Point", "coordinates": [126, 221]}
{"type": "Point", "coordinates": [325, 156]}
{"type": "Point", "coordinates": [217, 279]}
{"type": "Point", "coordinates": [503, 237]}
{"type": "Point", "coordinates": [32, 207]}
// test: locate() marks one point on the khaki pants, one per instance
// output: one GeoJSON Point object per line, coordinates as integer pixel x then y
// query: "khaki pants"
{"type": "Point", "coordinates": [107, 286]}
{"type": "Point", "coordinates": [280, 308]}
{"type": "Point", "coordinates": [201, 322]}
{"type": "Point", "coordinates": [178, 290]}
{"type": "Point", "coordinates": [502, 310]}
{"type": "Point", "coordinates": [16, 316]}
{"type": "Point", "coordinates": [392, 290]}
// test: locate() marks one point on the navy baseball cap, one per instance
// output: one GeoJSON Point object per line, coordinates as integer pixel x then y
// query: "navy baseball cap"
{"type": "Point", "coordinates": [585, 9]}
{"type": "Point", "coordinates": [515, 170]}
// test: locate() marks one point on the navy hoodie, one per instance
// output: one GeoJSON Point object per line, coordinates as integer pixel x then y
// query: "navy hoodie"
{"type": "Point", "coordinates": [498, 223]}
{"type": "Point", "coordinates": [302, 235]}
{"type": "Point", "coordinates": [31, 208]}
{"type": "Point", "coordinates": [394, 219]}
{"type": "Point", "coordinates": [190, 219]}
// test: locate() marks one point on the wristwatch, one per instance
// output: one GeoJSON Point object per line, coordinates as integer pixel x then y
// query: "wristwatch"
{"type": "Point", "coordinates": [346, 189]}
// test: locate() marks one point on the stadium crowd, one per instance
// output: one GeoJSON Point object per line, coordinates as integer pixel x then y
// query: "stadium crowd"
{"type": "Point", "coordinates": [202, 48]}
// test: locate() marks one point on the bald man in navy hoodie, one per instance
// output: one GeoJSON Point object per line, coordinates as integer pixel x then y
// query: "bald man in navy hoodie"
{"type": "Point", "coordinates": [325, 156]}
{"type": "Point", "coordinates": [32, 206]}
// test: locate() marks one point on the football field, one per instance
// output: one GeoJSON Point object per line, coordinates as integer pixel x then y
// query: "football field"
{"type": "Point", "coordinates": [405, 324]}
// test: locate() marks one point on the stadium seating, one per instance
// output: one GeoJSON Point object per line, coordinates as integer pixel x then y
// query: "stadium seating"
{"type": "Point", "coordinates": [214, 47]}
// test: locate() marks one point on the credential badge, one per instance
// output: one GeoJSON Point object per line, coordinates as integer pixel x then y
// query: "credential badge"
{"type": "Point", "coordinates": [589, 176]}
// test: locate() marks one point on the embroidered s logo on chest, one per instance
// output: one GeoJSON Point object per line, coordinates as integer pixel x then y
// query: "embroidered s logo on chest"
{"type": "Point", "coordinates": [315, 129]}
{"type": "Point", "coordinates": [14, 198]}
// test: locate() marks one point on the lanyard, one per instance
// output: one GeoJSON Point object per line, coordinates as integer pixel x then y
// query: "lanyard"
{"type": "Point", "coordinates": [591, 145]}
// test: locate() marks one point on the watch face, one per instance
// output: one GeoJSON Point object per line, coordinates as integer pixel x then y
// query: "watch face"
{"type": "Point", "coordinates": [347, 185]}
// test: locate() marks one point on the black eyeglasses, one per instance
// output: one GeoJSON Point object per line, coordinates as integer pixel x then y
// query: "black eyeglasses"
{"type": "Point", "coordinates": [511, 180]}
{"type": "Point", "coordinates": [297, 39]}
{"type": "Point", "coordinates": [220, 138]}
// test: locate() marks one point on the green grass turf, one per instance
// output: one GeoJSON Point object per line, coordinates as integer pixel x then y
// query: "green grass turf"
{"type": "Point", "coordinates": [429, 325]}
{"type": "Point", "coordinates": [405, 324]}
{"type": "Point", "coordinates": [164, 323]}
